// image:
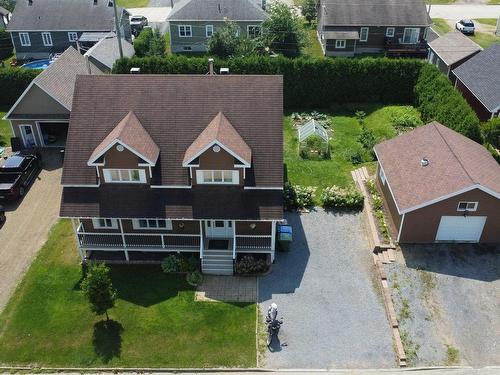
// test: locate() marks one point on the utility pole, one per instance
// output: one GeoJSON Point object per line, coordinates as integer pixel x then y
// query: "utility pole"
{"type": "Point", "coordinates": [118, 31]}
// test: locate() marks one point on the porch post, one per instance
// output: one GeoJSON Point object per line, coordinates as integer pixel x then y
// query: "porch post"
{"type": "Point", "coordinates": [75, 229]}
{"type": "Point", "coordinates": [123, 240]}
{"type": "Point", "coordinates": [201, 239]}
{"type": "Point", "coordinates": [273, 239]}
{"type": "Point", "coordinates": [234, 239]}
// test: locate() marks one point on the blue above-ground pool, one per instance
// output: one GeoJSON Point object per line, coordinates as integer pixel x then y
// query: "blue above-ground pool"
{"type": "Point", "coordinates": [37, 64]}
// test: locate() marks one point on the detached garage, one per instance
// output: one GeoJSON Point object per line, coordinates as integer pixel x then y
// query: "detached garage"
{"type": "Point", "coordinates": [440, 186]}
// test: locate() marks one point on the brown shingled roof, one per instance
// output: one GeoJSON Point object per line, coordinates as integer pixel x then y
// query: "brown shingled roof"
{"type": "Point", "coordinates": [456, 163]}
{"type": "Point", "coordinates": [130, 133]}
{"type": "Point", "coordinates": [219, 131]}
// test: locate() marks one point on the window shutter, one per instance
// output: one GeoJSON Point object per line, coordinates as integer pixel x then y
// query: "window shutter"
{"type": "Point", "coordinates": [199, 176]}
{"type": "Point", "coordinates": [236, 177]}
{"type": "Point", "coordinates": [142, 175]}
{"type": "Point", "coordinates": [107, 175]}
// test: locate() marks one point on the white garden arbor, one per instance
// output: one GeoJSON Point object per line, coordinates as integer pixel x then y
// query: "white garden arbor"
{"type": "Point", "coordinates": [312, 127]}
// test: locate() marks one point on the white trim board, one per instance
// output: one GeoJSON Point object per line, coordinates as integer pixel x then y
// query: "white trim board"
{"type": "Point", "coordinates": [213, 143]}
{"type": "Point", "coordinates": [91, 162]}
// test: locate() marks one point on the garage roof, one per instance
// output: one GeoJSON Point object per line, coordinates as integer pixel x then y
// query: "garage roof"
{"type": "Point", "coordinates": [453, 47]}
{"type": "Point", "coordinates": [455, 164]}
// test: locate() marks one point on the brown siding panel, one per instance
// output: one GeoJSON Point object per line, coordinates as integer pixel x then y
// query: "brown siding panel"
{"type": "Point", "coordinates": [390, 204]}
{"type": "Point", "coordinates": [261, 228]}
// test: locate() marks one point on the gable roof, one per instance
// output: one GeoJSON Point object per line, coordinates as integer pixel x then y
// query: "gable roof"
{"type": "Point", "coordinates": [456, 164]}
{"type": "Point", "coordinates": [131, 134]}
{"type": "Point", "coordinates": [58, 80]}
{"type": "Point", "coordinates": [174, 110]}
{"type": "Point", "coordinates": [374, 13]}
{"type": "Point", "coordinates": [106, 50]}
{"type": "Point", "coordinates": [63, 15]}
{"type": "Point", "coordinates": [453, 47]}
{"type": "Point", "coordinates": [221, 132]}
{"type": "Point", "coordinates": [480, 74]}
{"type": "Point", "coordinates": [216, 10]}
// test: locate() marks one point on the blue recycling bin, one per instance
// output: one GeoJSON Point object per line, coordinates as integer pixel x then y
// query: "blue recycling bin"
{"type": "Point", "coordinates": [285, 237]}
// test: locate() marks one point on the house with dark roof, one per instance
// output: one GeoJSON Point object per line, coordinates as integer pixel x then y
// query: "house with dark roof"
{"type": "Point", "coordinates": [188, 163]}
{"type": "Point", "coordinates": [396, 27]}
{"type": "Point", "coordinates": [193, 22]}
{"type": "Point", "coordinates": [439, 186]}
{"type": "Point", "coordinates": [478, 79]}
{"type": "Point", "coordinates": [40, 117]}
{"type": "Point", "coordinates": [451, 50]}
{"type": "Point", "coordinates": [5, 17]}
{"type": "Point", "coordinates": [41, 28]}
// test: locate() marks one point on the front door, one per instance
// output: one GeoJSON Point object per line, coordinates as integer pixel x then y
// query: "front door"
{"type": "Point", "coordinates": [27, 135]}
{"type": "Point", "coordinates": [219, 228]}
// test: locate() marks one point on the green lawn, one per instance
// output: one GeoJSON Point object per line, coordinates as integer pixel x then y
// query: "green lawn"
{"type": "Point", "coordinates": [485, 39]}
{"type": "Point", "coordinates": [487, 21]}
{"type": "Point", "coordinates": [5, 130]}
{"type": "Point", "coordinates": [156, 322]}
{"type": "Point", "coordinates": [313, 49]}
{"type": "Point", "coordinates": [441, 26]}
{"type": "Point", "coordinates": [494, 2]}
{"type": "Point", "coordinates": [132, 3]}
{"type": "Point", "coordinates": [346, 129]}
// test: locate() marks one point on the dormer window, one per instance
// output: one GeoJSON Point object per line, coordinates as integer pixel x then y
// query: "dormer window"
{"type": "Point", "coordinates": [224, 177]}
{"type": "Point", "coordinates": [131, 176]}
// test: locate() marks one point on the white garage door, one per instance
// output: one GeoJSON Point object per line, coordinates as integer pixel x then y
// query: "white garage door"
{"type": "Point", "coordinates": [460, 228]}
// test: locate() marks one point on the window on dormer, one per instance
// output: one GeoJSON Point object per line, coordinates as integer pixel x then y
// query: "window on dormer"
{"type": "Point", "coordinates": [223, 177]}
{"type": "Point", "coordinates": [130, 176]}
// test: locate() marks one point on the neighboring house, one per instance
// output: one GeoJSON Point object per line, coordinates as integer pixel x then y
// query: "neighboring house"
{"type": "Point", "coordinates": [349, 28]}
{"type": "Point", "coordinates": [478, 79]}
{"type": "Point", "coordinates": [106, 51]}
{"type": "Point", "coordinates": [40, 28]}
{"type": "Point", "coordinates": [40, 116]}
{"type": "Point", "coordinates": [450, 50]}
{"type": "Point", "coordinates": [440, 186]}
{"type": "Point", "coordinates": [5, 17]}
{"type": "Point", "coordinates": [192, 22]}
{"type": "Point", "coordinates": [159, 164]}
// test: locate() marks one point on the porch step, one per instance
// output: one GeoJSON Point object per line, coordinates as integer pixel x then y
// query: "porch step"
{"type": "Point", "coordinates": [217, 262]}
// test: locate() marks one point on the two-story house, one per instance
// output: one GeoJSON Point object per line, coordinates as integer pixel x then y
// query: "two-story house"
{"type": "Point", "coordinates": [188, 163]}
{"type": "Point", "coordinates": [193, 22]}
{"type": "Point", "coordinates": [395, 27]}
{"type": "Point", "coordinates": [41, 28]}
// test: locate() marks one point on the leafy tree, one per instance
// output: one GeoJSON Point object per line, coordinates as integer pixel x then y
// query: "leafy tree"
{"type": "Point", "coordinates": [309, 10]}
{"type": "Point", "coordinates": [8, 4]}
{"type": "Point", "coordinates": [284, 31]}
{"type": "Point", "coordinates": [491, 132]}
{"type": "Point", "coordinates": [98, 289]}
{"type": "Point", "coordinates": [156, 44]}
{"type": "Point", "coordinates": [149, 43]}
{"type": "Point", "coordinates": [225, 40]}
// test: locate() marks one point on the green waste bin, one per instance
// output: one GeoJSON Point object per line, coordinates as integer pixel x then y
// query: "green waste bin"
{"type": "Point", "coordinates": [285, 237]}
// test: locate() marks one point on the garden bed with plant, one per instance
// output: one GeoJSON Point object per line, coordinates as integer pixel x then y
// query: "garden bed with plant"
{"type": "Point", "coordinates": [381, 215]}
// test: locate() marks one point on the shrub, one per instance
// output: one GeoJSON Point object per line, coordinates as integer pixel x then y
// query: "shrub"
{"type": "Point", "coordinates": [188, 263]}
{"type": "Point", "coordinates": [225, 40]}
{"type": "Point", "coordinates": [296, 196]}
{"type": "Point", "coordinates": [13, 81]}
{"type": "Point", "coordinates": [368, 140]}
{"type": "Point", "coordinates": [142, 41]}
{"type": "Point", "coordinates": [250, 265]}
{"type": "Point", "coordinates": [339, 198]}
{"type": "Point", "coordinates": [491, 132]}
{"type": "Point", "coordinates": [405, 120]}
{"type": "Point", "coordinates": [194, 278]}
{"type": "Point", "coordinates": [98, 288]}
{"type": "Point", "coordinates": [171, 264]}
{"type": "Point", "coordinates": [377, 202]}
{"type": "Point", "coordinates": [6, 46]}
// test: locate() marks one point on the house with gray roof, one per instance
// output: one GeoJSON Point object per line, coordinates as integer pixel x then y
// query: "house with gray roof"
{"type": "Point", "coordinates": [40, 117]}
{"type": "Point", "coordinates": [41, 28]}
{"type": "Point", "coordinates": [193, 22]}
{"type": "Point", "coordinates": [451, 50]}
{"type": "Point", "coordinates": [478, 79]}
{"type": "Point", "coordinates": [106, 51]}
{"type": "Point", "coordinates": [394, 27]}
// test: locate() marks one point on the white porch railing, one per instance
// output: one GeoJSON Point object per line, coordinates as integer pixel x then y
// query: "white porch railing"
{"type": "Point", "coordinates": [246, 242]}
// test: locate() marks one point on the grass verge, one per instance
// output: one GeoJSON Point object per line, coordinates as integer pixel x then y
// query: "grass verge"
{"type": "Point", "coordinates": [5, 130]}
{"type": "Point", "coordinates": [132, 3]}
{"type": "Point", "coordinates": [441, 26]}
{"type": "Point", "coordinates": [313, 49]}
{"type": "Point", "coordinates": [452, 355]}
{"type": "Point", "coordinates": [485, 40]}
{"type": "Point", "coordinates": [487, 21]}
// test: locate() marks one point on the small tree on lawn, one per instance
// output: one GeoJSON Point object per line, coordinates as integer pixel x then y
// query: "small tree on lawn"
{"type": "Point", "coordinates": [156, 44]}
{"type": "Point", "coordinates": [309, 10]}
{"type": "Point", "coordinates": [224, 41]}
{"type": "Point", "coordinates": [98, 289]}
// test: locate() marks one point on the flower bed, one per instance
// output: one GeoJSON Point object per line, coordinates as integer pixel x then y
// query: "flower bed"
{"type": "Point", "coordinates": [378, 210]}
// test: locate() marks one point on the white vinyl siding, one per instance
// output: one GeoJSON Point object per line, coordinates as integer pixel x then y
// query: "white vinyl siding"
{"type": "Point", "coordinates": [467, 206]}
{"type": "Point", "coordinates": [185, 31]}
{"type": "Point", "coordinates": [389, 32]}
{"type": "Point", "coordinates": [72, 36]}
{"type": "Point", "coordinates": [101, 223]}
{"type": "Point", "coordinates": [340, 43]}
{"type": "Point", "coordinates": [128, 176]}
{"type": "Point", "coordinates": [209, 30]}
{"type": "Point", "coordinates": [410, 35]}
{"type": "Point", "coordinates": [152, 224]}
{"type": "Point", "coordinates": [222, 177]}
{"type": "Point", "coordinates": [24, 38]}
{"type": "Point", "coordinates": [363, 35]}
{"type": "Point", "coordinates": [47, 39]}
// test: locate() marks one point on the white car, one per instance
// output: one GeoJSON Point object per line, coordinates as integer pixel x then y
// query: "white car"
{"type": "Point", "coordinates": [465, 26]}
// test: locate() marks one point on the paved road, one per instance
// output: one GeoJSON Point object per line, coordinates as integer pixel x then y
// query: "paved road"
{"type": "Point", "coordinates": [324, 288]}
{"type": "Point", "coordinates": [457, 12]}
{"type": "Point", "coordinates": [157, 16]}
{"type": "Point", "coordinates": [27, 227]}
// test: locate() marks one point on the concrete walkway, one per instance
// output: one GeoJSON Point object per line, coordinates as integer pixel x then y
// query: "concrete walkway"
{"type": "Point", "coordinates": [27, 226]}
{"type": "Point", "coordinates": [460, 11]}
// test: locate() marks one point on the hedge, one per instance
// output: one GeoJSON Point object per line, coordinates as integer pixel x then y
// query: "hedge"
{"type": "Point", "coordinates": [308, 82]}
{"type": "Point", "coordinates": [437, 99]}
{"type": "Point", "coordinates": [13, 81]}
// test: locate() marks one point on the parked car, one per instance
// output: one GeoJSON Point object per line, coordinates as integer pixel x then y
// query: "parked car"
{"type": "Point", "coordinates": [17, 173]}
{"type": "Point", "coordinates": [137, 23]}
{"type": "Point", "coordinates": [465, 27]}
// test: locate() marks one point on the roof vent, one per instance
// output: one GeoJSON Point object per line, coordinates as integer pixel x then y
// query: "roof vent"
{"type": "Point", "coordinates": [30, 2]}
{"type": "Point", "coordinates": [135, 70]}
{"type": "Point", "coordinates": [95, 2]}
{"type": "Point", "coordinates": [211, 66]}
{"type": "Point", "coordinates": [424, 162]}
{"type": "Point", "coordinates": [224, 71]}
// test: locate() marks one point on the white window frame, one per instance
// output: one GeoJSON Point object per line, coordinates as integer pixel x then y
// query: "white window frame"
{"type": "Point", "coordinates": [125, 176]}
{"type": "Point", "coordinates": [72, 36]}
{"type": "Point", "coordinates": [361, 39]}
{"type": "Point", "coordinates": [185, 29]}
{"type": "Point", "coordinates": [340, 43]}
{"type": "Point", "coordinates": [411, 30]}
{"type": "Point", "coordinates": [47, 39]}
{"type": "Point", "coordinates": [209, 30]}
{"type": "Point", "coordinates": [254, 26]}
{"type": "Point", "coordinates": [136, 224]}
{"type": "Point", "coordinates": [391, 33]}
{"type": "Point", "coordinates": [25, 40]}
{"type": "Point", "coordinates": [382, 175]}
{"type": "Point", "coordinates": [474, 208]}
{"type": "Point", "coordinates": [200, 177]}
{"type": "Point", "coordinates": [113, 223]}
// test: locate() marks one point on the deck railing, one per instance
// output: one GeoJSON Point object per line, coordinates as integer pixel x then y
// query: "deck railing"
{"type": "Point", "coordinates": [253, 242]}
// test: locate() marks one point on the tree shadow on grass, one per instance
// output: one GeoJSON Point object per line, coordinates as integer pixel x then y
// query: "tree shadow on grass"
{"type": "Point", "coordinates": [107, 339]}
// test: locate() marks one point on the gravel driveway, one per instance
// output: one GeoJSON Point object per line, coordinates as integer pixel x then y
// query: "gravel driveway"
{"type": "Point", "coordinates": [452, 294]}
{"type": "Point", "coordinates": [326, 292]}
{"type": "Point", "coordinates": [27, 226]}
